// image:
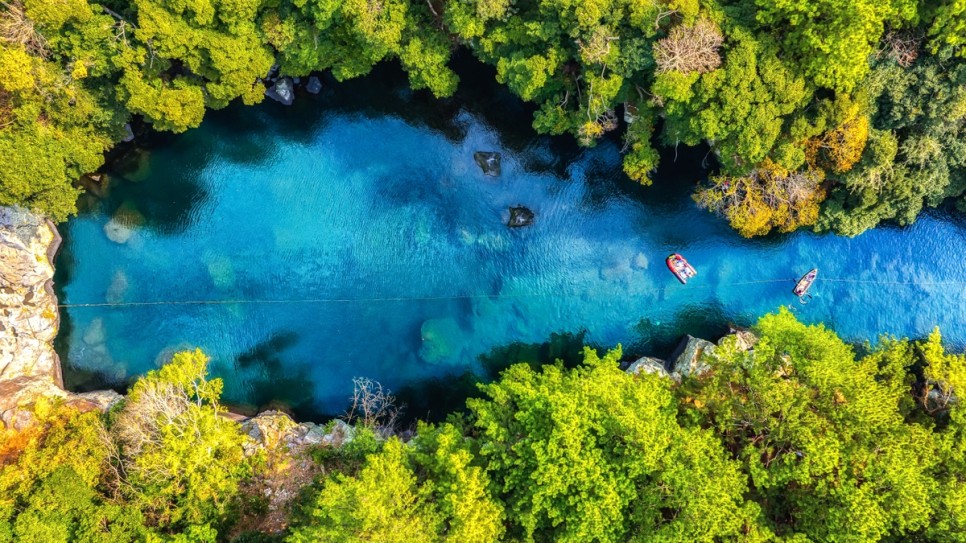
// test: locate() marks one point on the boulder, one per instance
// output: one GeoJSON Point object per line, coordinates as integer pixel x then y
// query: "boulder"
{"type": "Point", "coordinates": [314, 86]}
{"type": "Point", "coordinates": [744, 340]}
{"type": "Point", "coordinates": [687, 360]}
{"type": "Point", "coordinates": [103, 400]}
{"type": "Point", "coordinates": [128, 134]}
{"type": "Point", "coordinates": [647, 364]}
{"type": "Point", "coordinates": [520, 216]}
{"type": "Point", "coordinates": [489, 162]}
{"type": "Point", "coordinates": [282, 91]}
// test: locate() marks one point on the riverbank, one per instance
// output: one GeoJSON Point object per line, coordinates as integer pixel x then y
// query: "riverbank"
{"type": "Point", "coordinates": [30, 370]}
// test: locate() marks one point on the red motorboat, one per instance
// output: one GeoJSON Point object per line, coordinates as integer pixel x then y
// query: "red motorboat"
{"type": "Point", "coordinates": [680, 268]}
{"type": "Point", "coordinates": [805, 283]}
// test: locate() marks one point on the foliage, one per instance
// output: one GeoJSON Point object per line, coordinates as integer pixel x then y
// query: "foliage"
{"type": "Point", "coordinates": [611, 441]}
{"type": "Point", "coordinates": [181, 460]}
{"type": "Point", "coordinates": [768, 198]}
{"type": "Point", "coordinates": [819, 434]}
{"type": "Point", "coordinates": [831, 40]}
{"type": "Point", "coordinates": [386, 501]}
{"type": "Point", "coordinates": [915, 155]}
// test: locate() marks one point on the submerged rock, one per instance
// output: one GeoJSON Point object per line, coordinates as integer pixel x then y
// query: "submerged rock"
{"type": "Point", "coordinates": [647, 364]}
{"type": "Point", "coordinates": [95, 334]}
{"type": "Point", "coordinates": [442, 339]}
{"type": "Point", "coordinates": [222, 272]}
{"type": "Point", "coordinates": [117, 232]}
{"type": "Point", "coordinates": [489, 162]}
{"type": "Point", "coordinates": [282, 91]}
{"type": "Point", "coordinates": [689, 362]}
{"type": "Point", "coordinates": [123, 223]}
{"type": "Point", "coordinates": [520, 216]}
{"type": "Point", "coordinates": [314, 86]}
{"type": "Point", "coordinates": [118, 288]}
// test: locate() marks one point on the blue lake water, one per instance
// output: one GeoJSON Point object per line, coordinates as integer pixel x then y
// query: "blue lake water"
{"type": "Point", "coordinates": [353, 235]}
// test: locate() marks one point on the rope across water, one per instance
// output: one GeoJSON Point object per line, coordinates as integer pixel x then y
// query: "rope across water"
{"type": "Point", "coordinates": [476, 296]}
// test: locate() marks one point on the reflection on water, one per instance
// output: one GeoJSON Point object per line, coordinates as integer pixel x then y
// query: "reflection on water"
{"type": "Point", "coordinates": [354, 235]}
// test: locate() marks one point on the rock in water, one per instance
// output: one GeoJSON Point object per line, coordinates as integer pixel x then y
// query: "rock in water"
{"type": "Point", "coordinates": [117, 290]}
{"type": "Point", "coordinates": [282, 91]}
{"type": "Point", "coordinates": [489, 162]}
{"type": "Point", "coordinates": [314, 86]}
{"type": "Point", "coordinates": [128, 134]}
{"type": "Point", "coordinates": [520, 216]}
{"type": "Point", "coordinates": [689, 362]}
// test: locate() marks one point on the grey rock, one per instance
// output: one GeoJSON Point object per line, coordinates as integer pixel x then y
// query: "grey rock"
{"type": "Point", "coordinates": [128, 134]}
{"type": "Point", "coordinates": [744, 339]}
{"type": "Point", "coordinates": [520, 216]}
{"type": "Point", "coordinates": [314, 86]}
{"type": "Point", "coordinates": [282, 91]}
{"type": "Point", "coordinates": [647, 364]}
{"type": "Point", "coordinates": [689, 357]}
{"type": "Point", "coordinates": [103, 399]}
{"type": "Point", "coordinates": [489, 162]}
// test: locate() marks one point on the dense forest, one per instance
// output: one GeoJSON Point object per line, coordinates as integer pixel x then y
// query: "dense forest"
{"type": "Point", "coordinates": [836, 115]}
{"type": "Point", "coordinates": [799, 438]}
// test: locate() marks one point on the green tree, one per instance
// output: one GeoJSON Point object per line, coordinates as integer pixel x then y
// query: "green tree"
{"type": "Point", "coordinates": [594, 454]}
{"type": "Point", "coordinates": [387, 501]}
{"type": "Point", "coordinates": [183, 462]}
{"type": "Point", "coordinates": [820, 434]}
{"type": "Point", "coordinates": [831, 40]}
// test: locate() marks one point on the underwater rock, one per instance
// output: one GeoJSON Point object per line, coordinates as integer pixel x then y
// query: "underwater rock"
{"type": "Point", "coordinates": [95, 334]}
{"type": "Point", "coordinates": [98, 184]}
{"type": "Point", "coordinates": [314, 86]}
{"type": "Point", "coordinates": [222, 272]}
{"type": "Point", "coordinates": [489, 162]}
{"type": "Point", "coordinates": [520, 216]}
{"type": "Point", "coordinates": [441, 340]}
{"type": "Point", "coordinates": [117, 232]}
{"type": "Point", "coordinates": [282, 91]}
{"type": "Point", "coordinates": [647, 364]}
{"type": "Point", "coordinates": [123, 223]}
{"type": "Point", "coordinates": [117, 289]}
{"type": "Point", "coordinates": [640, 261]}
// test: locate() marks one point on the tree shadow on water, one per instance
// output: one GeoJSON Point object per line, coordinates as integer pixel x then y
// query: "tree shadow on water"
{"type": "Point", "coordinates": [434, 399]}
{"type": "Point", "coordinates": [274, 382]}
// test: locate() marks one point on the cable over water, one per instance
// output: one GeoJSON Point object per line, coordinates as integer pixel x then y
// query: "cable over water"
{"type": "Point", "coordinates": [475, 296]}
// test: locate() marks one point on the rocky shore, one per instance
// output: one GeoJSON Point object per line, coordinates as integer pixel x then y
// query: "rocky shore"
{"type": "Point", "coordinates": [29, 320]}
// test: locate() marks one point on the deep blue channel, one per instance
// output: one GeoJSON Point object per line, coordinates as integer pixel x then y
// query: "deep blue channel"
{"type": "Point", "coordinates": [353, 235]}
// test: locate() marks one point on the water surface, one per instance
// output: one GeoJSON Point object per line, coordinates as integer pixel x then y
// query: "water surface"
{"type": "Point", "coordinates": [353, 235]}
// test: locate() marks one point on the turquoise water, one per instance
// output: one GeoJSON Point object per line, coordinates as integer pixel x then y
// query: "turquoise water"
{"type": "Point", "coordinates": [353, 235]}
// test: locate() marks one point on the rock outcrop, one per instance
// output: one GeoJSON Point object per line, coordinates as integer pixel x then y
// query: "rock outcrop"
{"type": "Point", "coordinates": [29, 367]}
{"type": "Point", "coordinates": [282, 91]}
{"type": "Point", "coordinates": [489, 162]}
{"type": "Point", "coordinates": [28, 307]}
{"type": "Point", "coordinates": [520, 216]}
{"type": "Point", "coordinates": [647, 364]}
{"type": "Point", "coordinates": [688, 360]}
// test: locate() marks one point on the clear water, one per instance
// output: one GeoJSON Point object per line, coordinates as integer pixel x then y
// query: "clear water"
{"type": "Point", "coordinates": [353, 235]}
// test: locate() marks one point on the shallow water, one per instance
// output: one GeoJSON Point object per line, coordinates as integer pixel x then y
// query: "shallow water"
{"type": "Point", "coordinates": [353, 235]}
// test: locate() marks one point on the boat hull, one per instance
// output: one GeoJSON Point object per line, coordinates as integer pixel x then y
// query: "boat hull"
{"type": "Point", "coordinates": [680, 267]}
